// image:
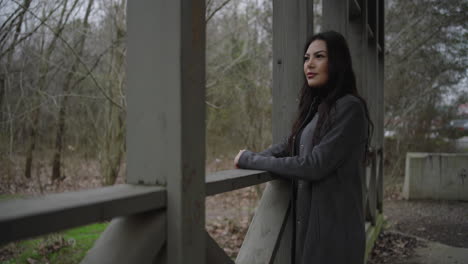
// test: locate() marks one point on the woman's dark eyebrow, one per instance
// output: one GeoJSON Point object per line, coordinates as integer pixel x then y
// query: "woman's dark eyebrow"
{"type": "Point", "coordinates": [317, 52]}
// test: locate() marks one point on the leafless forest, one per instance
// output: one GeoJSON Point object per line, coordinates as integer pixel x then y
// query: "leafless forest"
{"type": "Point", "coordinates": [62, 85]}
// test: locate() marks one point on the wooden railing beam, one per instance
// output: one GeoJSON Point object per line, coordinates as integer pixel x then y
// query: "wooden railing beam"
{"type": "Point", "coordinates": [264, 235]}
{"type": "Point", "coordinates": [23, 218]}
{"type": "Point", "coordinates": [229, 180]}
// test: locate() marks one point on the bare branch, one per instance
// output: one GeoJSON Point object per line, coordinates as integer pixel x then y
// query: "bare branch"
{"type": "Point", "coordinates": [216, 10]}
{"type": "Point", "coordinates": [93, 78]}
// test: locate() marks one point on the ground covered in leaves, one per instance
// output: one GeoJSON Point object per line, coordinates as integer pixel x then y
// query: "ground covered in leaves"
{"type": "Point", "coordinates": [393, 248]}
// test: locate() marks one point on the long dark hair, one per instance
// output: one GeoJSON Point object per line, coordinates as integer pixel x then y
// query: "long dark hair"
{"type": "Point", "coordinates": [341, 81]}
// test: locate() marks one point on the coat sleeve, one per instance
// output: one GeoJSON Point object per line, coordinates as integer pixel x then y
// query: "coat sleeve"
{"type": "Point", "coordinates": [349, 130]}
{"type": "Point", "coordinates": [276, 150]}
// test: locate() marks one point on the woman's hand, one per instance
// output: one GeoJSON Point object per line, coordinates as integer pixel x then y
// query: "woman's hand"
{"type": "Point", "coordinates": [236, 159]}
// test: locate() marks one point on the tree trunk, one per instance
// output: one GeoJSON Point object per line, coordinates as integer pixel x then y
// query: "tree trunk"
{"type": "Point", "coordinates": [56, 162]}
{"type": "Point", "coordinates": [42, 84]}
{"type": "Point", "coordinates": [32, 144]}
{"type": "Point", "coordinates": [2, 94]}
{"type": "Point", "coordinates": [114, 137]}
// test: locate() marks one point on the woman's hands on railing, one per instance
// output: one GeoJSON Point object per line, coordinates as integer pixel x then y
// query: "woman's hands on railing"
{"type": "Point", "coordinates": [236, 159]}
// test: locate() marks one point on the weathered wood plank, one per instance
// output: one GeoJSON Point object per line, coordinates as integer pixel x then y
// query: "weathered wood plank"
{"type": "Point", "coordinates": [283, 254]}
{"type": "Point", "coordinates": [225, 181]}
{"type": "Point", "coordinates": [380, 181]}
{"type": "Point", "coordinates": [357, 39]}
{"type": "Point", "coordinates": [335, 16]}
{"type": "Point", "coordinates": [370, 33]}
{"type": "Point", "coordinates": [372, 232]}
{"type": "Point", "coordinates": [292, 26]}
{"type": "Point", "coordinates": [264, 235]}
{"type": "Point", "coordinates": [373, 88]}
{"type": "Point", "coordinates": [23, 218]}
{"type": "Point", "coordinates": [132, 239]}
{"type": "Point", "coordinates": [371, 210]}
{"type": "Point", "coordinates": [161, 257]}
{"type": "Point", "coordinates": [354, 9]}
{"type": "Point", "coordinates": [166, 114]}
{"type": "Point", "coordinates": [215, 254]}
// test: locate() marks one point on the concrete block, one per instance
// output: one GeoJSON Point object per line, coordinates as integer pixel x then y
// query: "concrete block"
{"type": "Point", "coordinates": [438, 176]}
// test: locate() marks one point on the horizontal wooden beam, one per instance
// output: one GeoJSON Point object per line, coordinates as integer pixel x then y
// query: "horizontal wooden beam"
{"type": "Point", "coordinates": [23, 218]}
{"type": "Point", "coordinates": [225, 181]}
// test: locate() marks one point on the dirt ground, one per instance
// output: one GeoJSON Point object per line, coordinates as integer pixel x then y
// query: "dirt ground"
{"type": "Point", "coordinates": [445, 222]}
{"type": "Point", "coordinates": [442, 221]}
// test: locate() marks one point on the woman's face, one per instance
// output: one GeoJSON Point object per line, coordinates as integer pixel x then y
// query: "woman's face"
{"type": "Point", "coordinates": [316, 64]}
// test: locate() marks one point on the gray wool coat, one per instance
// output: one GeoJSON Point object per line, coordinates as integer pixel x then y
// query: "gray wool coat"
{"type": "Point", "coordinates": [329, 215]}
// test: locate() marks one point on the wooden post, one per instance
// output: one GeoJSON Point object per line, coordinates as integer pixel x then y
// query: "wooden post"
{"type": "Point", "coordinates": [292, 26]}
{"type": "Point", "coordinates": [268, 240]}
{"type": "Point", "coordinates": [166, 115]}
{"type": "Point", "coordinates": [381, 99]}
{"type": "Point", "coordinates": [357, 39]}
{"type": "Point", "coordinates": [372, 72]}
{"type": "Point", "coordinates": [335, 16]}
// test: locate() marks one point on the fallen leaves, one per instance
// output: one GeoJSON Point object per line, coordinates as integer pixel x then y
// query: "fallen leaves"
{"type": "Point", "coordinates": [391, 247]}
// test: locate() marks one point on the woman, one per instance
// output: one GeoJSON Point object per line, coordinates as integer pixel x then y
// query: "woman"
{"type": "Point", "coordinates": [324, 157]}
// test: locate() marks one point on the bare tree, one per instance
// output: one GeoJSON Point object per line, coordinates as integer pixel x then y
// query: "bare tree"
{"type": "Point", "coordinates": [68, 85]}
{"type": "Point", "coordinates": [43, 80]}
{"type": "Point", "coordinates": [112, 141]}
{"type": "Point", "coordinates": [425, 60]}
